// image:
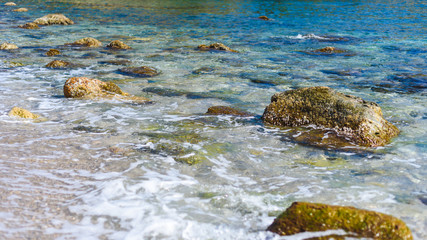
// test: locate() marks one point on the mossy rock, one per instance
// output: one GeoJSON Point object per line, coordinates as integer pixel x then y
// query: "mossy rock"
{"type": "Point", "coordinates": [215, 47]}
{"type": "Point", "coordinates": [351, 117]}
{"type": "Point", "coordinates": [118, 45]}
{"type": "Point", "coordinates": [52, 52]}
{"type": "Point", "coordinates": [58, 64]}
{"type": "Point", "coordinates": [30, 25]}
{"type": "Point", "coordinates": [315, 217]}
{"type": "Point", "coordinates": [22, 113]}
{"type": "Point", "coordinates": [142, 72]}
{"type": "Point", "coordinates": [224, 110]}
{"type": "Point", "coordinates": [87, 42]}
{"type": "Point", "coordinates": [52, 19]}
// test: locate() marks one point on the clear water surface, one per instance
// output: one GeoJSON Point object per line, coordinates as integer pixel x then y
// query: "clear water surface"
{"type": "Point", "coordinates": [110, 169]}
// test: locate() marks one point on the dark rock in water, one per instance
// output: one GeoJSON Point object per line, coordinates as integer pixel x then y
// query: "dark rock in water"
{"type": "Point", "coordinates": [316, 217]}
{"type": "Point", "coordinates": [167, 92]}
{"type": "Point", "coordinates": [203, 70]}
{"type": "Point", "coordinates": [215, 46]}
{"type": "Point", "coordinates": [264, 18]}
{"type": "Point", "coordinates": [29, 26]}
{"type": "Point", "coordinates": [342, 72]}
{"type": "Point", "coordinates": [117, 44]}
{"type": "Point", "coordinates": [143, 71]}
{"type": "Point", "coordinates": [53, 52]}
{"type": "Point", "coordinates": [224, 110]}
{"type": "Point", "coordinates": [91, 55]}
{"type": "Point", "coordinates": [405, 83]}
{"type": "Point", "coordinates": [357, 120]}
{"type": "Point", "coordinates": [58, 64]}
{"type": "Point", "coordinates": [116, 62]}
{"type": "Point", "coordinates": [51, 19]}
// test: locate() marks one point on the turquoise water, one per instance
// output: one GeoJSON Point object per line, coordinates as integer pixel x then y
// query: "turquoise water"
{"type": "Point", "coordinates": [112, 170]}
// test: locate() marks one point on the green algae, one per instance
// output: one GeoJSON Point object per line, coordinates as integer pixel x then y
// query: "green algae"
{"type": "Point", "coordinates": [314, 217]}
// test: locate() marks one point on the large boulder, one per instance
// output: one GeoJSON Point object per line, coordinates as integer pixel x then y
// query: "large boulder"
{"type": "Point", "coordinates": [8, 46]}
{"type": "Point", "coordinates": [351, 117]}
{"type": "Point", "coordinates": [358, 223]}
{"type": "Point", "coordinates": [87, 42]}
{"type": "Point", "coordinates": [52, 19]}
{"type": "Point", "coordinates": [89, 88]}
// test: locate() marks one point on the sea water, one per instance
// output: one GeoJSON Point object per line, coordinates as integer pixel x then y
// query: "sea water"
{"type": "Point", "coordinates": [110, 169]}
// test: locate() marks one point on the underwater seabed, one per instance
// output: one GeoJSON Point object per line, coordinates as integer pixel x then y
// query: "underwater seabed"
{"type": "Point", "coordinates": [111, 169]}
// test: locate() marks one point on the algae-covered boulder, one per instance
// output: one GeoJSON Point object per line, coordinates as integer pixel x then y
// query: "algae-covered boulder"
{"type": "Point", "coordinates": [20, 10]}
{"type": "Point", "coordinates": [87, 42]}
{"type": "Point", "coordinates": [224, 110]}
{"type": "Point", "coordinates": [143, 71]}
{"type": "Point", "coordinates": [53, 52]}
{"type": "Point", "coordinates": [22, 113]}
{"type": "Point", "coordinates": [117, 44]}
{"type": "Point", "coordinates": [29, 26]}
{"type": "Point", "coordinates": [215, 46]}
{"type": "Point", "coordinates": [8, 46]}
{"type": "Point", "coordinates": [58, 64]}
{"type": "Point", "coordinates": [89, 88]}
{"type": "Point", "coordinates": [315, 217]}
{"type": "Point", "coordinates": [52, 19]}
{"type": "Point", "coordinates": [351, 117]}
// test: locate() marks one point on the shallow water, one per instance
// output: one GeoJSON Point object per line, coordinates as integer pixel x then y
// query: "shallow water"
{"type": "Point", "coordinates": [109, 169]}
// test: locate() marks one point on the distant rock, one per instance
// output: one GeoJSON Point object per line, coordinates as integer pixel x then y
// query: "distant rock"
{"type": "Point", "coordinates": [8, 46]}
{"type": "Point", "coordinates": [20, 10]}
{"type": "Point", "coordinates": [52, 19]}
{"type": "Point", "coordinates": [351, 117]}
{"type": "Point", "coordinates": [329, 50]}
{"type": "Point", "coordinates": [89, 88]}
{"type": "Point", "coordinates": [10, 4]}
{"type": "Point", "coordinates": [143, 71]}
{"type": "Point", "coordinates": [264, 18]}
{"type": "Point", "coordinates": [29, 26]}
{"type": "Point", "coordinates": [224, 110]}
{"type": "Point", "coordinates": [357, 223]}
{"type": "Point", "coordinates": [58, 64]}
{"type": "Point", "coordinates": [22, 113]}
{"type": "Point", "coordinates": [87, 42]}
{"type": "Point", "coordinates": [53, 52]}
{"type": "Point", "coordinates": [215, 46]}
{"type": "Point", "coordinates": [117, 44]}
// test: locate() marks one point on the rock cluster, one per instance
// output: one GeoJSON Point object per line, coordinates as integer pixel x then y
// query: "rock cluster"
{"type": "Point", "coordinates": [352, 117]}
{"type": "Point", "coordinates": [315, 217]}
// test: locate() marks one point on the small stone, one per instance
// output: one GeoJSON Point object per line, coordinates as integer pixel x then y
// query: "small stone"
{"type": "Point", "coordinates": [215, 46]}
{"type": "Point", "coordinates": [29, 26]}
{"type": "Point", "coordinates": [20, 10]}
{"type": "Point", "coordinates": [8, 46]}
{"type": "Point", "coordinates": [58, 64]}
{"type": "Point", "coordinates": [53, 52]}
{"type": "Point", "coordinates": [143, 71]}
{"type": "Point", "coordinates": [264, 18]}
{"type": "Point", "coordinates": [22, 113]}
{"type": "Point", "coordinates": [357, 223]}
{"type": "Point", "coordinates": [224, 110]}
{"type": "Point", "coordinates": [87, 42]}
{"type": "Point", "coordinates": [52, 19]}
{"type": "Point", "coordinates": [10, 4]}
{"type": "Point", "coordinates": [329, 50]}
{"type": "Point", "coordinates": [117, 44]}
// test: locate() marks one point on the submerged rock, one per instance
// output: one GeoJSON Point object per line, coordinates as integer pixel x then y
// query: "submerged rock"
{"type": "Point", "coordinates": [8, 46]}
{"type": "Point", "coordinates": [52, 19]}
{"type": "Point", "coordinates": [143, 71]}
{"type": "Point", "coordinates": [329, 50]}
{"type": "Point", "coordinates": [116, 62]}
{"type": "Point", "coordinates": [83, 87]}
{"type": "Point", "coordinates": [29, 26]}
{"type": "Point", "coordinates": [224, 110]}
{"type": "Point", "coordinates": [117, 44]}
{"type": "Point", "coordinates": [20, 10]}
{"type": "Point", "coordinates": [58, 64]}
{"type": "Point", "coordinates": [53, 52]}
{"type": "Point", "coordinates": [87, 42]}
{"type": "Point", "coordinates": [215, 46]}
{"type": "Point", "coordinates": [22, 113]}
{"type": "Point", "coordinates": [264, 18]}
{"type": "Point", "coordinates": [315, 217]}
{"type": "Point", "coordinates": [351, 117]}
{"type": "Point", "coordinates": [10, 4]}
{"type": "Point", "coordinates": [403, 83]}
